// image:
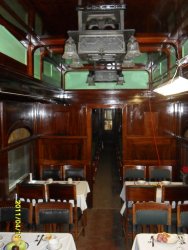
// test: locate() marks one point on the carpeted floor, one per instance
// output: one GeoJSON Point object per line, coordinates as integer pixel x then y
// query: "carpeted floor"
{"type": "Point", "coordinates": [104, 229]}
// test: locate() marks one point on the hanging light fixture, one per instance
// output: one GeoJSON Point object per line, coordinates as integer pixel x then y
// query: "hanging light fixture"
{"type": "Point", "coordinates": [70, 50]}
{"type": "Point", "coordinates": [70, 54]}
{"type": "Point", "coordinates": [132, 48]}
{"type": "Point", "coordinates": [132, 52]}
{"type": "Point", "coordinates": [101, 39]}
{"type": "Point", "coordinates": [174, 86]}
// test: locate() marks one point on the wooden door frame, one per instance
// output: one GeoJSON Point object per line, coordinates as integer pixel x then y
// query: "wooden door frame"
{"type": "Point", "coordinates": [90, 107]}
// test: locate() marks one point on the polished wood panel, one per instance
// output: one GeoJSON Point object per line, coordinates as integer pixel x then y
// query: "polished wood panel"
{"type": "Point", "coordinates": [154, 16]}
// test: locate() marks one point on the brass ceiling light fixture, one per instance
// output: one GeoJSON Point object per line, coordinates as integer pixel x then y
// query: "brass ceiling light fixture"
{"type": "Point", "coordinates": [101, 39]}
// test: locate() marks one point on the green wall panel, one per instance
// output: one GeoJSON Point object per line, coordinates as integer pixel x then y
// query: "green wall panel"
{"type": "Point", "coordinates": [143, 58]}
{"type": "Point", "coordinates": [37, 64]}
{"type": "Point", "coordinates": [11, 47]}
{"type": "Point", "coordinates": [133, 80]}
{"type": "Point", "coordinates": [185, 48]}
{"type": "Point", "coordinates": [51, 74]}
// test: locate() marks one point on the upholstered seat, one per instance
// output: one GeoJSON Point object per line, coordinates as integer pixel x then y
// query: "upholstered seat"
{"type": "Point", "coordinates": [133, 194]}
{"type": "Point", "coordinates": [67, 193]}
{"type": "Point", "coordinates": [160, 173]}
{"type": "Point", "coordinates": [8, 211]}
{"type": "Point", "coordinates": [53, 173]}
{"type": "Point", "coordinates": [174, 194]}
{"type": "Point", "coordinates": [182, 218]}
{"type": "Point", "coordinates": [74, 172]}
{"type": "Point", "coordinates": [134, 172]}
{"type": "Point", "coordinates": [151, 217]}
{"type": "Point", "coordinates": [54, 216]}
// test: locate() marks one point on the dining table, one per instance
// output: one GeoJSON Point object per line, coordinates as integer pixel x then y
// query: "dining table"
{"type": "Point", "coordinates": [82, 189]}
{"type": "Point", "coordinates": [158, 193]}
{"type": "Point", "coordinates": [39, 241]}
{"type": "Point", "coordinates": [149, 241]}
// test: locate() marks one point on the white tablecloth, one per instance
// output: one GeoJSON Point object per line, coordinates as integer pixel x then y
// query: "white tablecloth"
{"type": "Point", "coordinates": [66, 240]}
{"type": "Point", "coordinates": [143, 242]}
{"type": "Point", "coordinates": [158, 194]}
{"type": "Point", "coordinates": [82, 189]}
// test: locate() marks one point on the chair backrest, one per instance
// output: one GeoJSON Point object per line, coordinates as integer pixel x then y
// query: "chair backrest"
{"type": "Point", "coordinates": [9, 209]}
{"type": "Point", "coordinates": [54, 173]}
{"type": "Point", "coordinates": [182, 218]}
{"type": "Point", "coordinates": [149, 216]}
{"type": "Point", "coordinates": [50, 213]}
{"type": "Point", "coordinates": [175, 194]}
{"type": "Point", "coordinates": [133, 194]}
{"type": "Point", "coordinates": [160, 173]}
{"type": "Point", "coordinates": [31, 191]}
{"type": "Point", "coordinates": [66, 192]}
{"type": "Point", "coordinates": [140, 193]}
{"type": "Point", "coordinates": [63, 192]}
{"type": "Point", "coordinates": [74, 172]}
{"type": "Point", "coordinates": [134, 172]}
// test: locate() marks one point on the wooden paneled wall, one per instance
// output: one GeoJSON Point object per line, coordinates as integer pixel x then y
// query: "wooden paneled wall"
{"type": "Point", "coordinates": [152, 133]}
{"type": "Point", "coordinates": [147, 134]}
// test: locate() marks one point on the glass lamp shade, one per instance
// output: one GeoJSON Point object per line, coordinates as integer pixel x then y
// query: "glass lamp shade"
{"type": "Point", "coordinates": [132, 48]}
{"type": "Point", "coordinates": [76, 63]}
{"type": "Point", "coordinates": [70, 50]}
{"type": "Point", "coordinates": [127, 63]}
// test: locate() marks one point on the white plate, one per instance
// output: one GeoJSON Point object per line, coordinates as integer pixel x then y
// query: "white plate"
{"type": "Point", "coordinates": [4, 248]}
{"type": "Point", "coordinates": [1, 244]}
{"type": "Point", "coordinates": [141, 182]}
{"type": "Point", "coordinates": [172, 239]}
{"type": "Point", "coordinates": [46, 237]}
{"type": "Point", "coordinates": [165, 182]}
{"type": "Point", "coordinates": [58, 248]}
{"type": "Point", "coordinates": [1, 237]}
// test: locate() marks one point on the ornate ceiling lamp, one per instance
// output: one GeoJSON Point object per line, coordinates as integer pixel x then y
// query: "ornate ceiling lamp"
{"type": "Point", "coordinates": [102, 39]}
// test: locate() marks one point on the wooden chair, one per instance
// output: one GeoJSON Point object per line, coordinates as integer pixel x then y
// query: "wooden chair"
{"type": "Point", "coordinates": [134, 194]}
{"type": "Point", "coordinates": [182, 218]}
{"type": "Point", "coordinates": [74, 172]}
{"type": "Point", "coordinates": [174, 194]}
{"type": "Point", "coordinates": [134, 172]}
{"type": "Point", "coordinates": [31, 191]}
{"type": "Point", "coordinates": [67, 193]}
{"type": "Point", "coordinates": [160, 173]}
{"type": "Point", "coordinates": [151, 217]}
{"type": "Point", "coordinates": [11, 210]}
{"type": "Point", "coordinates": [54, 216]}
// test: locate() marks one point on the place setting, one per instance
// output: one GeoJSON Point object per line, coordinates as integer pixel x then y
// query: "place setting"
{"type": "Point", "coordinates": [167, 239]}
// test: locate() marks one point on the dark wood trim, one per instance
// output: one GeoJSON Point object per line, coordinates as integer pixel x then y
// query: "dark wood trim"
{"type": "Point", "coordinates": [24, 87]}
{"type": "Point", "coordinates": [12, 64]}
